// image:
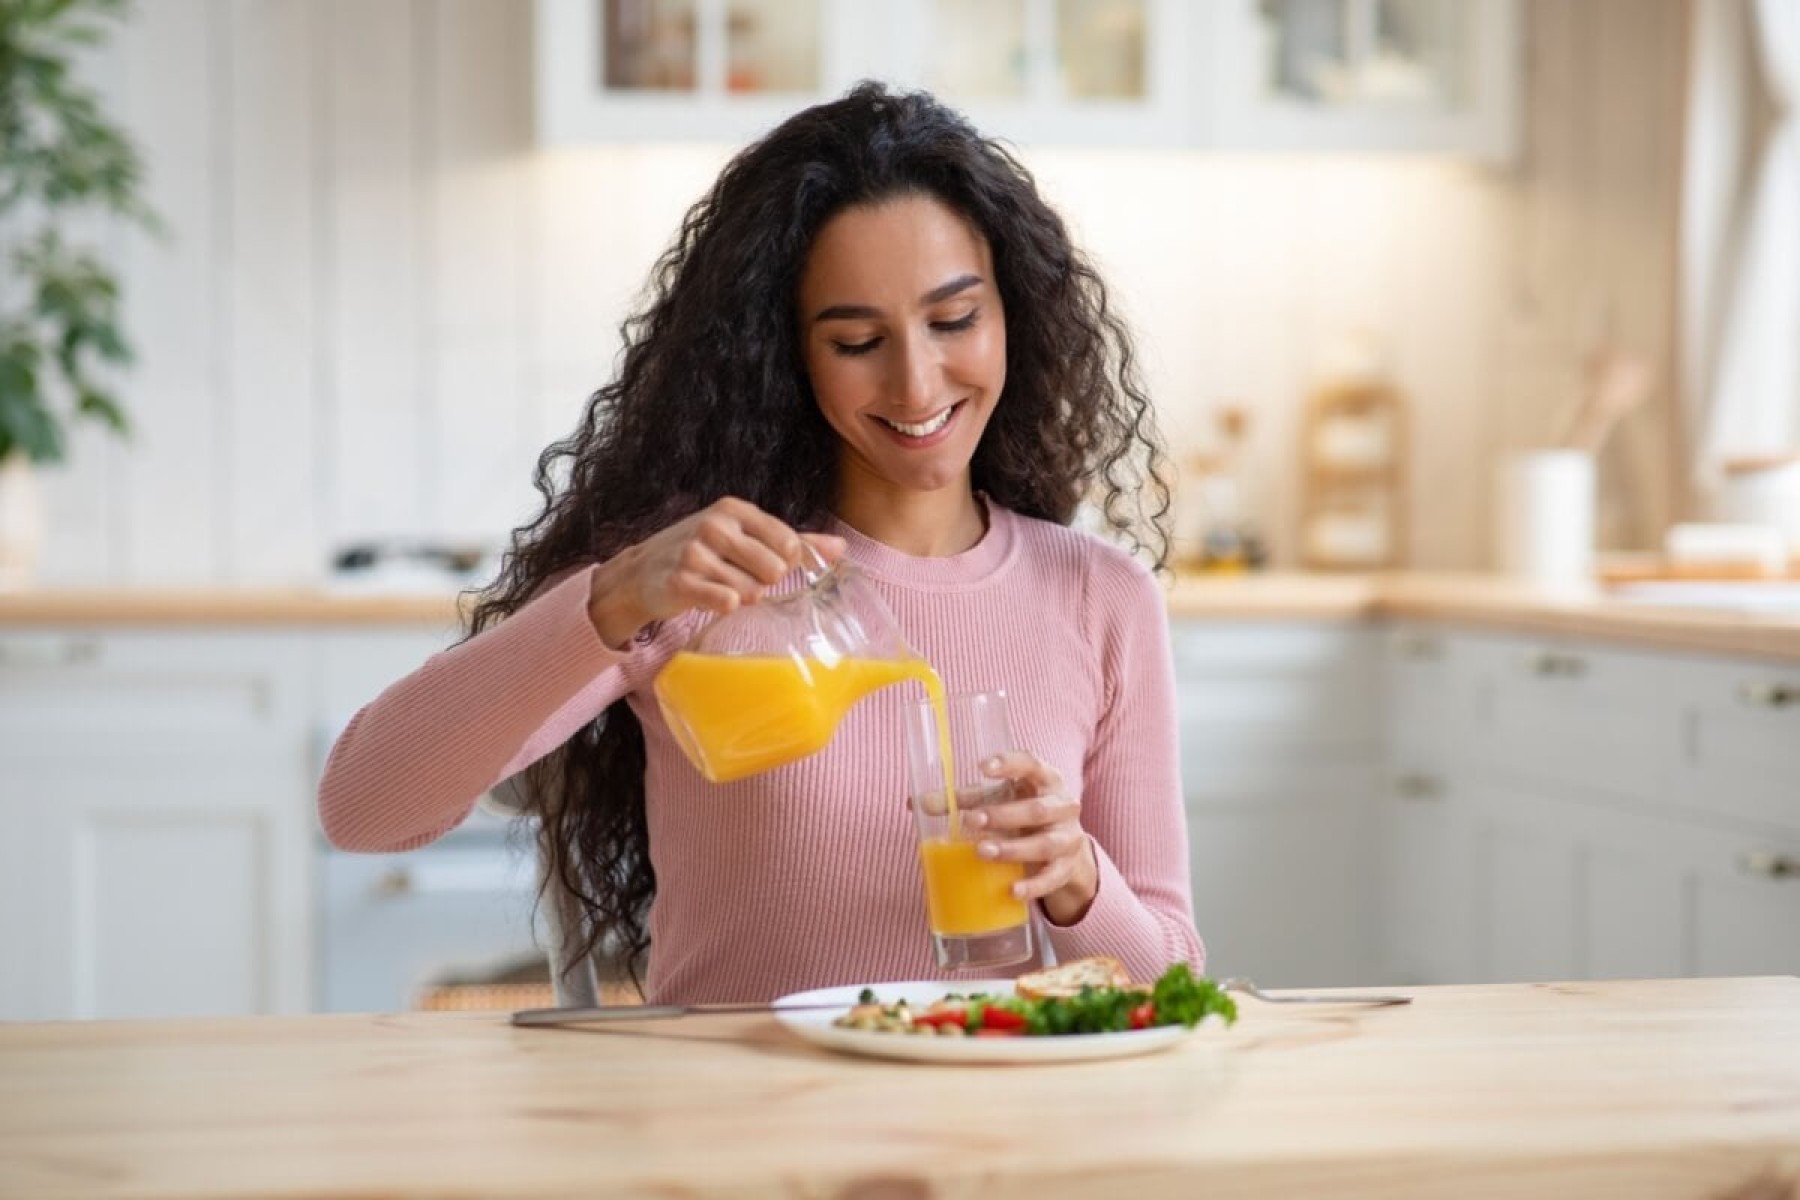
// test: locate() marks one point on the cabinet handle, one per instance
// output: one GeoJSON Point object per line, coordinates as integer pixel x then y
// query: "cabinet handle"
{"type": "Point", "coordinates": [1421, 649]}
{"type": "Point", "coordinates": [397, 882]}
{"type": "Point", "coordinates": [1548, 664]}
{"type": "Point", "coordinates": [1415, 786]}
{"type": "Point", "coordinates": [1768, 864]}
{"type": "Point", "coordinates": [1764, 693]}
{"type": "Point", "coordinates": [70, 652]}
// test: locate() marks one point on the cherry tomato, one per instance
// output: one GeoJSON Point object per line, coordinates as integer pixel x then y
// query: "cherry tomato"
{"type": "Point", "coordinates": [1001, 1020]}
{"type": "Point", "coordinates": [1143, 1016]}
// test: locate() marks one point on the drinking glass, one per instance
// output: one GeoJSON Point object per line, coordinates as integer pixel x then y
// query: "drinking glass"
{"type": "Point", "coordinates": [974, 918]}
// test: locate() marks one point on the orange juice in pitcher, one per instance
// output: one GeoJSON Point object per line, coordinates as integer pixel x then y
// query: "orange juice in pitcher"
{"type": "Point", "coordinates": [735, 715]}
{"type": "Point", "coordinates": [769, 683]}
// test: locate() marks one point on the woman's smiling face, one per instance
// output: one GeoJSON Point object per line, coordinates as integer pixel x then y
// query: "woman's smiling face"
{"type": "Point", "coordinates": [905, 340]}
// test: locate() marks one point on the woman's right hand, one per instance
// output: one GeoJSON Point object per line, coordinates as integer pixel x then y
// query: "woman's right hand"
{"type": "Point", "coordinates": [727, 554]}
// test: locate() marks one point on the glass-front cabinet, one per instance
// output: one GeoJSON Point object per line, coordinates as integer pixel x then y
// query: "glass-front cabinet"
{"type": "Point", "coordinates": [1054, 71]}
{"type": "Point", "coordinates": [711, 70]}
{"type": "Point", "coordinates": [1363, 75]}
{"type": "Point", "coordinates": [1280, 75]}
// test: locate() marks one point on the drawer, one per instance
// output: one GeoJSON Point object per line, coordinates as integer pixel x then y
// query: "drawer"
{"type": "Point", "coordinates": [1432, 689]}
{"type": "Point", "coordinates": [1571, 715]}
{"type": "Point", "coordinates": [132, 696]}
{"type": "Point", "coordinates": [1742, 749]}
{"type": "Point", "coordinates": [1276, 686]}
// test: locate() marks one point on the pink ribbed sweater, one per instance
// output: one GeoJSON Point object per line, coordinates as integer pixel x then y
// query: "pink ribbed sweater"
{"type": "Point", "coordinates": [807, 875]}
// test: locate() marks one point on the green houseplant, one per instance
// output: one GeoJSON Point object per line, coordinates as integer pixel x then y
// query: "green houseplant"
{"type": "Point", "coordinates": [60, 158]}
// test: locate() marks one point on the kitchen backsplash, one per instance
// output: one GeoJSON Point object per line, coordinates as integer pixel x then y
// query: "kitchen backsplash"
{"type": "Point", "coordinates": [379, 301]}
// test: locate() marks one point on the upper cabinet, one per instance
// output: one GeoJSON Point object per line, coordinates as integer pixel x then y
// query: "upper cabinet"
{"type": "Point", "coordinates": [1430, 76]}
{"type": "Point", "coordinates": [709, 70]}
{"type": "Point", "coordinates": [1047, 72]}
{"type": "Point", "coordinates": [1435, 76]}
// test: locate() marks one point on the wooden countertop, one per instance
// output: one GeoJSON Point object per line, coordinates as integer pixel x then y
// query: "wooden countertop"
{"type": "Point", "coordinates": [1488, 602]}
{"type": "Point", "coordinates": [1650, 1089]}
{"type": "Point", "coordinates": [224, 606]}
{"type": "Point", "coordinates": [1483, 601]}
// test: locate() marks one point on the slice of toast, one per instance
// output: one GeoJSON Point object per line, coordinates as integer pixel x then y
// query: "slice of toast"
{"type": "Point", "coordinates": [1067, 979]}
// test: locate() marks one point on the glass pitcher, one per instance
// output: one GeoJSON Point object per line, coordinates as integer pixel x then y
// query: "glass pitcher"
{"type": "Point", "coordinates": [768, 683]}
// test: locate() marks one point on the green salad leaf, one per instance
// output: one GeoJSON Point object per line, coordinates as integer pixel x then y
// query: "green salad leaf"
{"type": "Point", "coordinates": [1179, 997]}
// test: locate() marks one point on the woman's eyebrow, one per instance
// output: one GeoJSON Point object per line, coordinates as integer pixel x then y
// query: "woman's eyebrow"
{"type": "Point", "coordinates": [864, 312]}
{"type": "Point", "coordinates": [944, 291]}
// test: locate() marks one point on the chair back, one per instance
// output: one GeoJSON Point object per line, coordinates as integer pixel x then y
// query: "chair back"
{"type": "Point", "coordinates": [576, 984]}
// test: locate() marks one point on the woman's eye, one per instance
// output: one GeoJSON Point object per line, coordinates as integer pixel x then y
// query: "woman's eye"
{"type": "Point", "coordinates": [959, 324]}
{"type": "Point", "coordinates": [852, 349]}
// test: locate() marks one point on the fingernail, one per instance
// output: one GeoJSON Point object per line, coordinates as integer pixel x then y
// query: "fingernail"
{"type": "Point", "coordinates": [987, 850]}
{"type": "Point", "coordinates": [1018, 891]}
{"type": "Point", "coordinates": [977, 820]}
{"type": "Point", "coordinates": [991, 765]}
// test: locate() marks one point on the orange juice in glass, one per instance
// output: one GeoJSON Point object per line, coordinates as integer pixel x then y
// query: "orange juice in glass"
{"type": "Point", "coordinates": [974, 919]}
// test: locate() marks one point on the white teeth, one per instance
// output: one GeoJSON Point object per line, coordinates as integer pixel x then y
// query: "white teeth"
{"type": "Point", "coordinates": [932, 426]}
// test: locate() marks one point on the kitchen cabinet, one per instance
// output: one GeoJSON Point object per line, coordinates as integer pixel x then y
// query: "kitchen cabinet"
{"type": "Point", "coordinates": [1409, 801]}
{"type": "Point", "coordinates": [1280, 751]}
{"type": "Point", "coordinates": [1368, 76]}
{"type": "Point", "coordinates": [1048, 72]}
{"type": "Point", "coordinates": [1034, 71]}
{"type": "Point", "coordinates": [706, 70]}
{"type": "Point", "coordinates": [155, 792]}
{"type": "Point", "coordinates": [1436, 76]}
{"type": "Point", "coordinates": [1561, 811]}
{"type": "Point", "coordinates": [157, 789]}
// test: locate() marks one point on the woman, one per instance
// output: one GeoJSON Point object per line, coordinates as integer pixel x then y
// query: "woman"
{"type": "Point", "coordinates": [873, 335]}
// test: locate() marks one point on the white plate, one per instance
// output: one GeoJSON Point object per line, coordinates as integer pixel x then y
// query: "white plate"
{"type": "Point", "coordinates": [816, 1027]}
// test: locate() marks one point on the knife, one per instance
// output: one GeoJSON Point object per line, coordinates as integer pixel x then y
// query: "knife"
{"type": "Point", "coordinates": [654, 1012]}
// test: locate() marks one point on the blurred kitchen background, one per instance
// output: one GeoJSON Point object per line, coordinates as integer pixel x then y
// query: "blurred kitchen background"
{"type": "Point", "coordinates": [1373, 250]}
{"type": "Point", "coordinates": [402, 236]}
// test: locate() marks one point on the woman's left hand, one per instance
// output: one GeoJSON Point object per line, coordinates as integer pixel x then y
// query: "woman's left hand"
{"type": "Point", "coordinates": [1039, 826]}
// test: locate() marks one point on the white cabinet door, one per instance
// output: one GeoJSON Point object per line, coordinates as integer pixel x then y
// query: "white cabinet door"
{"type": "Point", "coordinates": [1283, 880]}
{"type": "Point", "coordinates": [1055, 72]}
{"type": "Point", "coordinates": [1741, 755]}
{"type": "Point", "coordinates": [1280, 727]}
{"type": "Point", "coordinates": [1434, 76]}
{"type": "Point", "coordinates": [1653, 896]}
{"type": "Point", "coordinates": [156, 894]}
{"type": "Point", "coordinates": [1426, 858]}
{"type": "Point", "coordinates": [1527, 899]}
{"type": "Point", "coordinates": [155, 789]}
{"type": "Point", "coordinates": [707, 70]}
{"type": "Point", "coordinates": [1744, 889]}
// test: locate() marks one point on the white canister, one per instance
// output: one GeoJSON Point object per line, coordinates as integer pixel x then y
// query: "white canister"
{"type": "Point", "coordinates": [1545, 517]}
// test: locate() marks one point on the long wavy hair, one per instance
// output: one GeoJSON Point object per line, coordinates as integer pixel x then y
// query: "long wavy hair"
{"type": "Point", "coordinates": [712, 399]}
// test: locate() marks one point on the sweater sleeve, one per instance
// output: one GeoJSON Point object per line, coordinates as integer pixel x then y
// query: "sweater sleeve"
{"type": "Point", "coordinates": [1131, 802]}
{"type": "Point", "coordinates": [412, 763]}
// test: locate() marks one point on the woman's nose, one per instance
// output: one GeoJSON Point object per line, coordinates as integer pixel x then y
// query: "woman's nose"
{"type": "Point", "coordinates": [917, 368]}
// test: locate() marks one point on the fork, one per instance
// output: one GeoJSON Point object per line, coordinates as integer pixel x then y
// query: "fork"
{"type": "Point", "coordinates": [1249, 988]}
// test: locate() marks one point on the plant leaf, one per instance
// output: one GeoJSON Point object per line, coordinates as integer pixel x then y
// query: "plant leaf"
{"type": "Point", "coordinates": [23, 418]}
{"type": "Point", "coordinates": [103, 408]}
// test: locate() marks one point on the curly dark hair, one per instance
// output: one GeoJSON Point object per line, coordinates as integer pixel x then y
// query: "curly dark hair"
{"type": "Point", "coordinates": [712, 399]}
